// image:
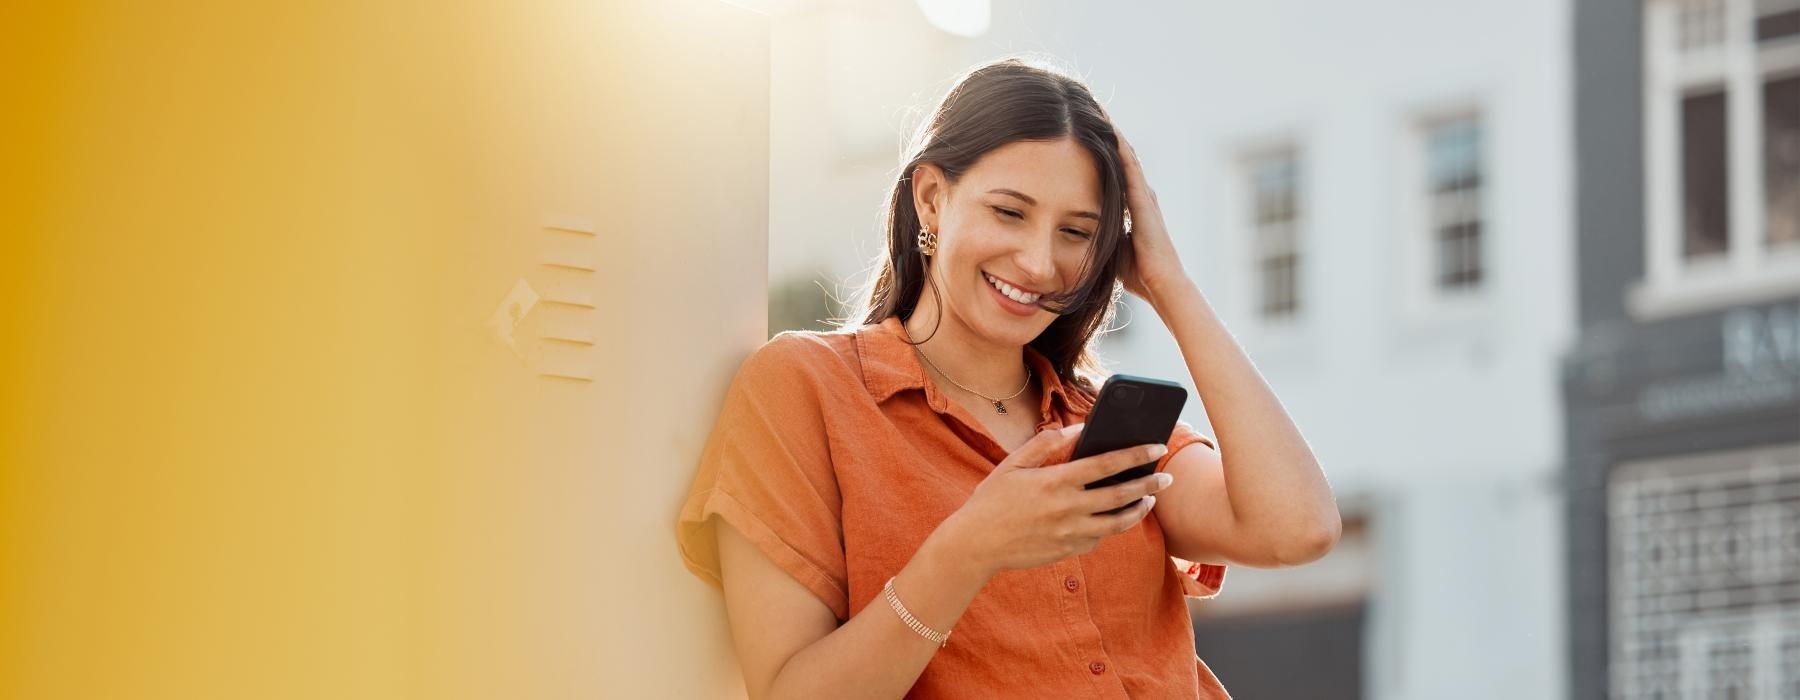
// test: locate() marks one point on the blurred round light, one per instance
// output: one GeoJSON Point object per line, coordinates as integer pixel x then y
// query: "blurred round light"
{"type": "Point", "coordinates": [967, 18]}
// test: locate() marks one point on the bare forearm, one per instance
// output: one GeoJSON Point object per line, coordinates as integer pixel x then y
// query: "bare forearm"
{"type": "Point", "coordinates": [1278, 493]}
{"type": "Point", "coordinates": [874, 654]}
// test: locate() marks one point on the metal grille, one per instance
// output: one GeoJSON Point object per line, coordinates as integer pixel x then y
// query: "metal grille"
{"type": "Point", "coordinates": [1706, 577]}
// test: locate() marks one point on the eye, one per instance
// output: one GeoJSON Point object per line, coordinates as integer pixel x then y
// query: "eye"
{"type": "Point", "coordinates": [1003, 211]}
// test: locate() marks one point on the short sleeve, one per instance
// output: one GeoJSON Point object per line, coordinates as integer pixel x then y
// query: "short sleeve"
{"type": "Point", "coordinates": [766, 470]}
{"type": "Point", "coordinates": [1197, 580]}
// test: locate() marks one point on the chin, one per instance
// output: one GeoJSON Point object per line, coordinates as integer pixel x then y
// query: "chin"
{"type": "Point", "coordinates": [1017, 330]}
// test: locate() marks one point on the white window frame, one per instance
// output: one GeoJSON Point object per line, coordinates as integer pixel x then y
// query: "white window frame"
{"type": "Point", "coordinates": [1245, 174]}
{"type": "Point", "coordinates": [1424, 298]}
{"type": "Point", "coordinates": [1750, 271]}
{"type": "Point", "coordinates": [1280, 341]}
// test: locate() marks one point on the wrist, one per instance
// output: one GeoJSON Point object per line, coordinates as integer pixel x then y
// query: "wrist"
{"type": "Point", "coordinates": [949, 551]}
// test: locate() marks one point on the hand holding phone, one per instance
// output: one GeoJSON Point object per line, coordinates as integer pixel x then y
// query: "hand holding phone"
{"type": "Point", "coordinates": [1130, 411]}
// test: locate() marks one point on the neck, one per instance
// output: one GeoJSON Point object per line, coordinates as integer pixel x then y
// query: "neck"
{"type": "Point", "coordinates": [994, 370]}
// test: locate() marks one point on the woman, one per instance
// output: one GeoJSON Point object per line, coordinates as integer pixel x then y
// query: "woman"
{"type": "Point", "coordinates": [869, 491]}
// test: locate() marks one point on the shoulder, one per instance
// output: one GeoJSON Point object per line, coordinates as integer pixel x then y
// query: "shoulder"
{"type": "Point", "coordinates": [804, 350]}
{"type": "Point", "coordinates": [794, 360]}
{"type": "Point", "coordinates": [1186, 434]}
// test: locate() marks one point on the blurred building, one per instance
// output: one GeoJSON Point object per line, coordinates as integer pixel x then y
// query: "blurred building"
{"type": "Point", "coordinates": [1683, 394]}
{"type": "Point", "coordinates": [1377, 199]}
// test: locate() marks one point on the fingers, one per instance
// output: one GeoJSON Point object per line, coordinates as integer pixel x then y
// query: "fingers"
{"type": "Point", "coordinates": [1129, 154]}
{"type": "Point", "coordinates": [1109, 497]}
{"type": "Point", "coordinates": [1125, 148]}
{"type": "Point", "coordinates": [1043, 447]}
{"type": "Point", "coordinates": [1101, 526]}
{"type": "Point", "coordinates": [1087, 470]}
{"type": "Point", "coordinates": [1134, 173]}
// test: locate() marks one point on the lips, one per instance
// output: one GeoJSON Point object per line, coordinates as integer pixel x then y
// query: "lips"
{"type": "Point", "coordinates": [1003, 295]}
{"type": "Point", "coordinates": [1011, 292]}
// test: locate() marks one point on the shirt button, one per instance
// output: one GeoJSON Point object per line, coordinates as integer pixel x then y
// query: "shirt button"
{"type": "Point", "coordinates": [1098, 667]}
{"type": "Point", "coordinates": [1071, 584]}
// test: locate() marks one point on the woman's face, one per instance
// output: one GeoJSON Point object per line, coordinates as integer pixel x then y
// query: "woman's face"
{"type": "Point", "coordinates": [1018, 224]}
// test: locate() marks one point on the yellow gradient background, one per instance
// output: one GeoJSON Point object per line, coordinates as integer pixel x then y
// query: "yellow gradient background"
{"type": "Point", "coordinates": [261, 437]}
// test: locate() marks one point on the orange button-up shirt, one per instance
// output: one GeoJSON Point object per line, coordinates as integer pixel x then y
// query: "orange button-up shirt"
{"type": "Point", "coordinates": [837, 456]}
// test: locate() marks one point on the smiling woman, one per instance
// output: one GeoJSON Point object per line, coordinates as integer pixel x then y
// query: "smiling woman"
{"type": "Point", "coordinates": [890, 507]}
{"type": "Point", "coordinates": [1000, 236]}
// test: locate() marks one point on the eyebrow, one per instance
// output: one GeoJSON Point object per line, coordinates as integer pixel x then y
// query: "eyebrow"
{"type": "Point", "coordinates": [1033, 202]}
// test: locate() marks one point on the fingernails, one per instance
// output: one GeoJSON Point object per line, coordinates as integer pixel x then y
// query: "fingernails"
{"type": "Point", "coordinates": [1071, 430]}
{"type": "Point", "coordinates": [1163, 480]}
{"type": "Point", "coordinates": [1157, 451]}
{"type": "Point", "coordinates": [1149, 502]}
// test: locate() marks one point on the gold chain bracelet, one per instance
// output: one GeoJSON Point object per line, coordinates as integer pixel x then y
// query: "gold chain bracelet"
{"type": "Point", "coordinates": [942, 638]}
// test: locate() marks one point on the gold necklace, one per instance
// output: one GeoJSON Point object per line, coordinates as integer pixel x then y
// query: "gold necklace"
{"type": "Point", "coordinates": [999, 403]}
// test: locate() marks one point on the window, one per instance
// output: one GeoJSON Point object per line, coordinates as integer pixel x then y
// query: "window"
{"type": "Point", "coordinates": [1777, 20]}
{"type": "Point", "coordinates": [1453, 189]}
{"type": "Point", "coordinates": [1722, 144]}
{"type": "Point", "coordinates": [1781, 157]}
{"type": "Point", "coordinates": [1702, 24]}
{"type": "Point", "coordinates": [1275, 224]}
{"type": "Point", "coordinates": [1444, 225]}
{"type": "Point", "coordinates": [1704, 221]}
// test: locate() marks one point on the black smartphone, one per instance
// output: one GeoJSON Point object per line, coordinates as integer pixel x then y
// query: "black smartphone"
{"type": "Point", "coordinates": [1130, 411]}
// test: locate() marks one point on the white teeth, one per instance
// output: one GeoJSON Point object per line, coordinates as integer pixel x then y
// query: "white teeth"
{"type": "Point", "coordinates": [1010, 291]}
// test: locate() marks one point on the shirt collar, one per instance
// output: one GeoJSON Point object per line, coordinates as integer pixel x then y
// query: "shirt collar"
{"type": "Point", "coordinates": [890, 365]}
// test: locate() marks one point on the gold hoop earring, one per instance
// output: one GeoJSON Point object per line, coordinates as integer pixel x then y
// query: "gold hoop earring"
{"type": "Point", "coordinates": [927, 241]}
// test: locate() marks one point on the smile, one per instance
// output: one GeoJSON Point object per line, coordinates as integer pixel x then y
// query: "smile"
{"type": "Point", "coordinates": [1011, 292]}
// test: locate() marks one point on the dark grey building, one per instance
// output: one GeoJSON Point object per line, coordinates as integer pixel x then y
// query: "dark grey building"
{"type": "Point", "coordinates": [1682, 393]}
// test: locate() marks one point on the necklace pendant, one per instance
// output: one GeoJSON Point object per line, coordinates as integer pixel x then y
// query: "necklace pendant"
{"type": "Point", "coordinates": [999, 407]}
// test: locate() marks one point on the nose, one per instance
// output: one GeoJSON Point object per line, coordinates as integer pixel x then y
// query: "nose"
{"type": "Point", "coordinates": [1037, 261]}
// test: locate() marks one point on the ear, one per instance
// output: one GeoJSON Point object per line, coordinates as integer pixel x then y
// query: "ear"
{"type": "Point", "coordinates": [930, 187]}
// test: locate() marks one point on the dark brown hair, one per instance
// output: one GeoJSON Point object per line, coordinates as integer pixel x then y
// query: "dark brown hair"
{"type": "Point", "coordinates": [995, 104]}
